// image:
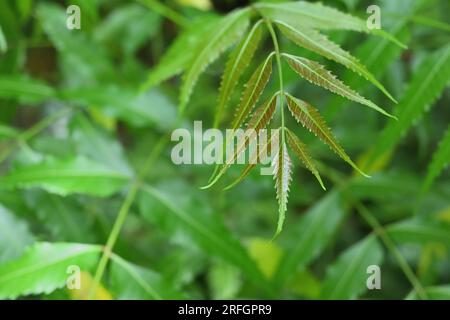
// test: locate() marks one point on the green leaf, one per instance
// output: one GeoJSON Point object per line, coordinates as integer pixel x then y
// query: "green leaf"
{"type": "Point", "coordinates": [441, 292]}
{"type": "Point", "coordinates": [238, 61]}
{"type": "Point", "coordinates": [132, 282]}
{"type": "Point", "coordinates": [181, 52]}
{"type": "Point", "coordinates": [14, 235]}
{"type": "Point", "coordinates": [346, 277]}
{"type": "Point", "coordinates": [265, 145]}
{"type": "Point", "coordinates": [310, 118]}
{"type": "Point", "coordinates": [224, 281]}
{"type": "Point", "coordinates": [204, 228]}
{"type": "Point", "coordinates": [259, 120]}
{"type": "Point", "coordinates": [227, 32]}
{"type": "Point", "coordinates": [311, 235]}
{"type": "Point", "coordinates": [317, 74]}
{"type": "Point", "coordinates": [138, 110]}
{"type": "Point", "coordinates": [302, 153]}
{"type": "Point", "coordinates": [253, 90]}
{"type": "Point", "coordinates": [66, 176]}
{"type": "Point", "coordinates": [420, 231]}
{"type": "Point", "coordinates": [64, 217]}
{"type": "Point", "coordinates": [44, 268]}
{"type": "Point", "coordinates": [3, 44]}
{"type": "Point", "coordinates": [282, 173]}
{"type": "Point", "coordinates": [311, 15]}
{"type": "Point", "coordinates": [317, 16]}
{"type": "Point", "coordinates": [427, 84]}
{"type": "Point", "coordinates": [318, 43]}
{"type": "Point", "coordinates": [25, 89]}
{"type": "Point", "coordinates": [441, 159]}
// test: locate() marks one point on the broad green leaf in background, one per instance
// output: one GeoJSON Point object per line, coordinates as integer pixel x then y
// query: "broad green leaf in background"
{"type": "Point", "coordinates": [129, 281]}
{"type": "Point", "coordinates": [434, 293]}
{"type": "Point", "coordinates": [76, 48]}
{"type": "Point", "coordinates": [15, 235]}
{"type": "Point", "coordinates": [138, 110]}
{"type": "Point", "coordinates": [96, 144]}
{"type": "Point", "coordinates": [67, 176]}
{"type": "Point", "coordinates": [317, 74]}
{"type": "Point", "coordinates": [180, 53]}
{"type": "Point", "coordinates": [311, 235]}
{"type": "Point", "coordinates": [427, 84]}
{"type": "Point", "coordinates": [224, 281]}
{"type": "Point", "coordinates": [267, 255]}
{"type": "Point", "coordinates": [128, 22]}
{"type": "Point", "coordinates": [3, 44]}
{"type": "Point", "coordinates": [64, 217]}
{"type": "Point", "coordinates": [440, 160]}
{"type": "Point", "coordinates": [227, 32]}
{"type": "Point", "coordinates": [25, 88]}
{"type": "Point", "coordinates": [421, 231]}
{"type": "Point", "coordinates": [203, 227]}
{"type": "Point", "coordinates": [346, 277]}
{"type": "Point", "coordinates": [43, 268]}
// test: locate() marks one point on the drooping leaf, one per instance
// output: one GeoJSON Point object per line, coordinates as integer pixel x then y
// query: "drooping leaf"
{"type": "Point", "coordinates": [346, 277]}
{"type": "Point", "coordinates": [317, 74]}
{"type": "Point", "coordinates": [441, 159]}
{"type": "Point", "coordinates": [310, 118]}
{"type": "Point", "coordinates": [252, 91]}
{"type": "Point", "coordinates": [132, 282]}
{"type": "Point", "coordinates": [180, 53]}
{"type": "Point", "coordinates": [14, 235]}
{"type": "Point", "coordinates": [282, 174]}
{"type": "Point", "coordinates": [302, 153]}
{"type": "Point", "coordinates": [44, 268]}
{"type": "Point", "coordinates": [227, 32]}
{"type": "Point", "coordinates": [311, 235]}
{"type": "Point", "coordinates": [427, 84]}
{"type": "Point", "coordinates": [205, 229]}
{"type": "Point", "coordinates": [237, 63]}
{"type": "Point", "coordinates": [67, 176]}
{"type": "Point", "coordinates": [318, 43]}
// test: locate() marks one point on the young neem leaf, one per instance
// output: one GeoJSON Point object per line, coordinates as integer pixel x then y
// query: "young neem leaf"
{"type": "Point", "coordinates": [441, 159]}
{"type": "Point", "coordinates": [228, 31]}
{"type": "Point", "coordinates": [260, 119]}
{"type": "Point", "coordinates": [282, 174]}
{"type": "Point", "coordinates": [253, 90]}
{"type": "Point", "coordinates": [302, 153]}
{"type": "Point", "coordinates": [310, 118]}
{"type": "Point", "coordinates": [320, 44]}
{"type": "Point", "coordinates": [238, 61]}
{"type": "Point", "coordinates": [317, 74]}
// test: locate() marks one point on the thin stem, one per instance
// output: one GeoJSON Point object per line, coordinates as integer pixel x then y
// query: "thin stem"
{"type": "Point", "coordinates": [123, 213]}
{"type": "Point", "coordinates": [377, 228]}
{"type": "Point", "coordinates": [390, 245]}
{"type": "Point", "coordinates": [280, 75]}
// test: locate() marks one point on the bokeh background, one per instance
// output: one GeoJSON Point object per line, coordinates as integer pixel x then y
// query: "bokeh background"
{"type": "Point", "coordinates": [77, 130]}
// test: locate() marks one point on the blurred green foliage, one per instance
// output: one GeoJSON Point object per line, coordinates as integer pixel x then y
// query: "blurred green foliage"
{"type": "Point", "coordinates": [84, 148]}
